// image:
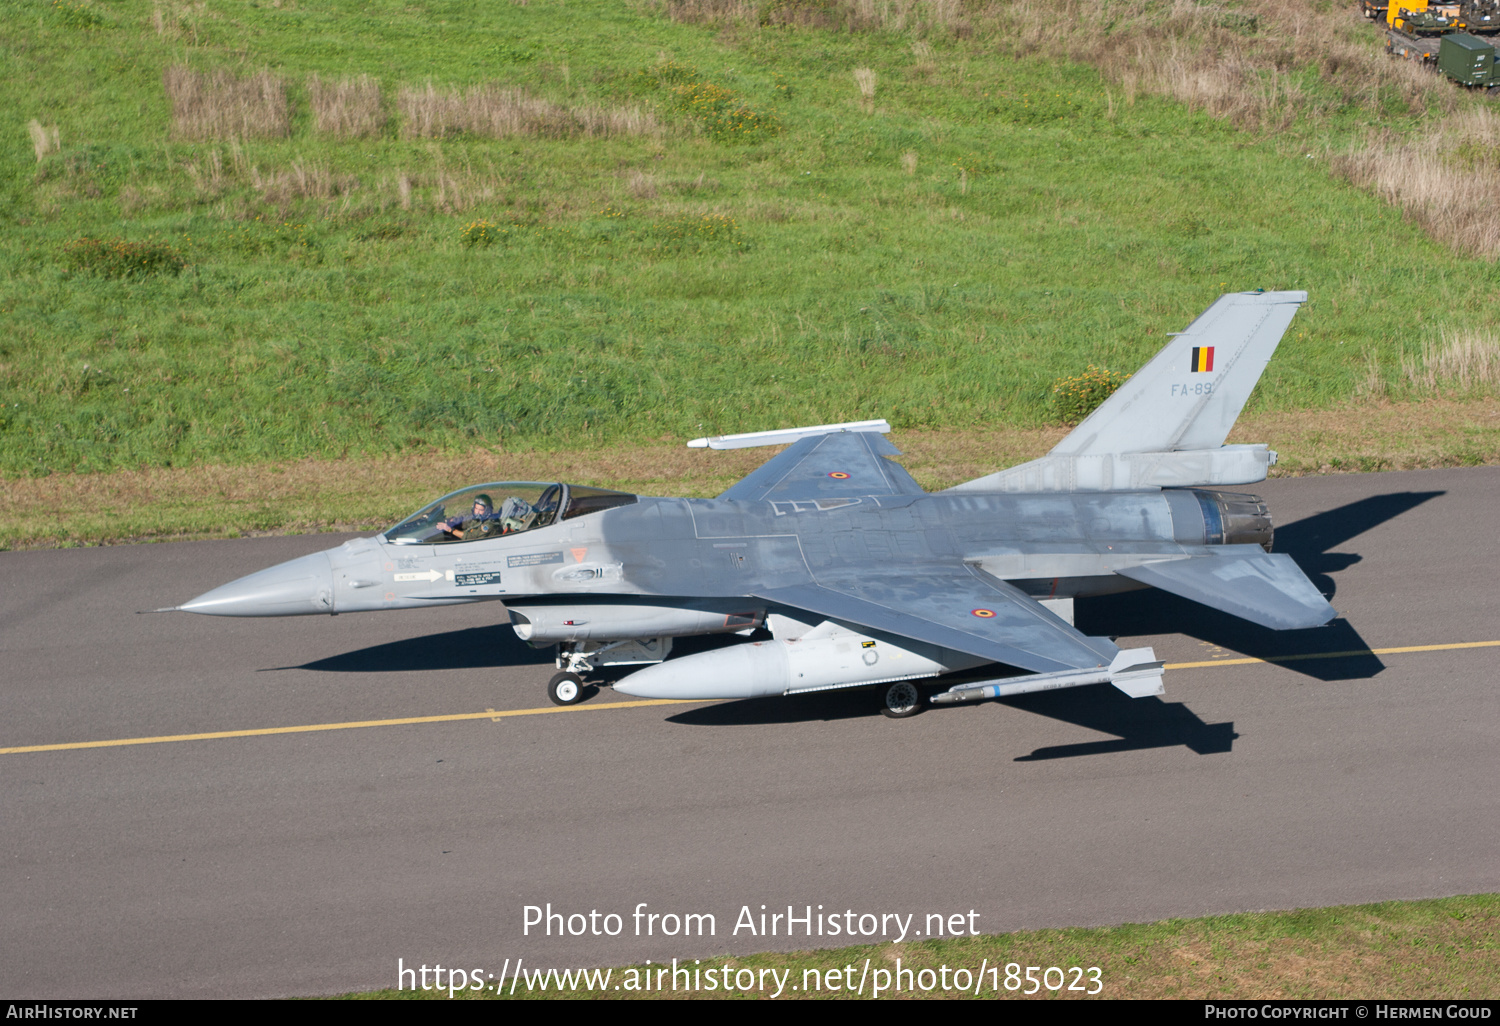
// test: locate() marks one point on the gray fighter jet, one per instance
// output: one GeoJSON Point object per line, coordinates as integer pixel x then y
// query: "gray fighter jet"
{"type": "Point", "coordinates": [842, 572]}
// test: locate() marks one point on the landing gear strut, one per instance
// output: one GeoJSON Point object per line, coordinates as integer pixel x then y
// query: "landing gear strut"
{"type": "Point", "coordinates": [579, 659]}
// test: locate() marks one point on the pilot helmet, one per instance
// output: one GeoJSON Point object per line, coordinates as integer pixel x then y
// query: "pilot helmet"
{"type": "Point", "coordinates": [484, 500]}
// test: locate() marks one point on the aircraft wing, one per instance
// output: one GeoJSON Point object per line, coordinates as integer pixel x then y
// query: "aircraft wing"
{"type": "Point", "coordinates": [1245, 581]}
{"type": "Point", "coordinates": [959, 608]}
{"type": "Point", "coordinates": [837, 465]}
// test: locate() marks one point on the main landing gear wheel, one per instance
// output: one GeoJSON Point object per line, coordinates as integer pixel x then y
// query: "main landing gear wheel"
{"type": "Point", "coordinates": [900, 700]}
{"type": "Point", "coordinates": [565, 689]}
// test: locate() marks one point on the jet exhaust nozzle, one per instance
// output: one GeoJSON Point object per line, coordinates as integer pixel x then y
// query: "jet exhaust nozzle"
{"type": "Point", "coordinates": [1235, 518]}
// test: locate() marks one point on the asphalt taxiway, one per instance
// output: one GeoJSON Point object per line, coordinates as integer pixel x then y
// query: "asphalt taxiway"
{"type": "Point", "coordinates": [322, 796]}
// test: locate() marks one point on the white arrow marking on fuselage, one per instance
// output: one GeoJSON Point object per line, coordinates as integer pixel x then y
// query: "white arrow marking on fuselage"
{"type": "Point", "coordinates": [425, 575]}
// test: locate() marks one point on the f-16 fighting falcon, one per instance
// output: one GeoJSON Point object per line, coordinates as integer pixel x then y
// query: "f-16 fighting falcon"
{"type": "Point", "coordinates": [840, 571]}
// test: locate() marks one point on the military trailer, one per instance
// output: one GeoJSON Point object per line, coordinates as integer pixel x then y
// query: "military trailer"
{"type": "Point", "coordinates": [1480, 16]}
{"type": "Point", "coordinates": [1425, 17]}
{"type": "Point", "coordinates": [1423, 49]}
{"type": "Point", "coordinates": [1469, 61]}
{"type": "Point", "coordinates": [1415, 27]}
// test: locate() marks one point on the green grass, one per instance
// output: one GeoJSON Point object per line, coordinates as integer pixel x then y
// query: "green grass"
{"type": "Point", "coordinates": [1414, 950]}
{"type": "Point", "coordinates": [1038, 234]}
{"type": "Point", "coordinates": [372, 493]}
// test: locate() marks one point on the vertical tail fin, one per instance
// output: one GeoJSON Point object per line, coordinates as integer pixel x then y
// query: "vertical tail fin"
{"type": "Point", "coordinates": [1191, 393]}
{"type": "Point", "coordinates": [1167, 424]}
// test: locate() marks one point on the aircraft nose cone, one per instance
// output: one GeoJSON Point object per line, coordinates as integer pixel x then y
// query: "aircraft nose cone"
{"type": "Point", "coordinates": [297, 587]}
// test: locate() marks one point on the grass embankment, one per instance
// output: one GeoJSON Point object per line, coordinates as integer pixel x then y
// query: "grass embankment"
{"type": "Point", "coordinates": [1439, 949]}
{"type": "Point", "coordinates": [369, 494]}
{"type": "Point", "coordinates": [601, 226]}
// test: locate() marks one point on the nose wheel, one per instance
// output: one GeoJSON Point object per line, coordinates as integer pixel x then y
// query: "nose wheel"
{"type": "Point", "coordinates": [565, 689]}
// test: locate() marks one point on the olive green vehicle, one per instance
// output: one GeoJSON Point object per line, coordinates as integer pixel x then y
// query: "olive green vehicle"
{"type": "Point", "coordinates": [1469, 61]}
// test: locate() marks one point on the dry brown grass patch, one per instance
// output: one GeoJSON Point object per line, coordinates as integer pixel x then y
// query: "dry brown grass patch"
{"type": "Point", "coordinates": [641, 185]}
{"type": "Point", "coordinates": [358, 494]}
{"type": "Point", "coordinates": [209, 176]}
{"type": "Point", "coordinates": [43, 140]}
{"type": "Point", "coordinates": [1236, 89]}
{"type": "Point", "coordinates": [1444, 180]}
{"type": "Point", "coordinates": [864, 78]}
{"type": "Point", "coordinates": [689, 186]}
{"type": "Point", "coordinates": [1462, 360]}
{"type": "Point", "coordinates": [349, 107]}
{"type": "Point", "coordinates": [1378, 435]}
{"type": "Point", "coordinates": [711, 12]}
{"type": "Point", "coordinates": [926, 63]}
{"type": "Point", "coordinates": [220, 105]}
{"type": "Point", "coordinates": [495, 112]}
{"type": "Point", "coordinates": [1452, 203]}
{"type": "Point", "coordinates": [1346, 953]}
{"type": "Point", "coordinates": [303, 180]}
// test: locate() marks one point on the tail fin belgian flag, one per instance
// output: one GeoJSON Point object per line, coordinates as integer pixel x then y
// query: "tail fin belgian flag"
{"type": "Point", "coordinates": [1203, 359]}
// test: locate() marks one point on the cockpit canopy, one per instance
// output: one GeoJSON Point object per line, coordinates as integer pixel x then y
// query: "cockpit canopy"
{"type": "Point", "coordinates": [501, 508]}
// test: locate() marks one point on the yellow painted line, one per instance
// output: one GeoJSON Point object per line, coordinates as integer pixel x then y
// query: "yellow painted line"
{"type": "Point", "coordinates": [1334, 655]}
{"type": "Point", "coordinates": [309, 728]}
{"type": "Point", "coordinates": [491, 714]}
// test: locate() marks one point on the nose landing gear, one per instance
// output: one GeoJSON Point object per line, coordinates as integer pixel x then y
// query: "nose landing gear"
{"type": "Point", "coordinates": [578, 659]}
{"type": "Point", "coordinates": [565, 689]}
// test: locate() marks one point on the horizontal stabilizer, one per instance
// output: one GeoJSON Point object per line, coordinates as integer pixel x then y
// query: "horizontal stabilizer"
{"type": "Point", "coordinates": [1244, 581]}
{"type": "Point", "coordinates": [1135, 671]}
{"type": "Point", "coordinates": [1131, 471]}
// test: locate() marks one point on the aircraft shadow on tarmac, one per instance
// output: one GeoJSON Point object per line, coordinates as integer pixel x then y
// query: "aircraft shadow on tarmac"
{"type": "Point", "coordinates": [1137, 723]}
{"type": "Point", "coordinates": [1144, 613]}
{"type": "Point", "coordinates": [472, 648]}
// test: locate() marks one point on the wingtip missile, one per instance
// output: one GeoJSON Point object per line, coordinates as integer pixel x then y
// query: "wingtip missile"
{"type": "Point", "coordinates": [1135, 671]}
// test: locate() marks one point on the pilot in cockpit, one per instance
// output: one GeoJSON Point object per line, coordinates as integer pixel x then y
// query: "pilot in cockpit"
{"type": "Point", "coordinates": [482, 521]}
{"type": "Point", "coordinates": [516, 514]}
